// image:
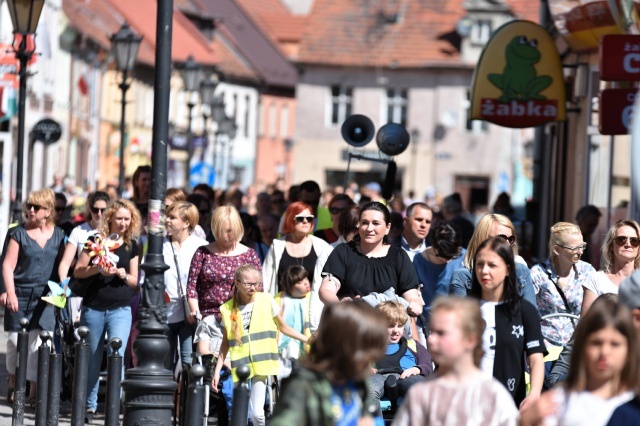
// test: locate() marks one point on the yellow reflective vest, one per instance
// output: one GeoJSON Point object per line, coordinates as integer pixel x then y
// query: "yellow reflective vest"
{"type": "Point", "coordinates": [259, 348]}
{"type": "Point", "coordinates": [306, 328]}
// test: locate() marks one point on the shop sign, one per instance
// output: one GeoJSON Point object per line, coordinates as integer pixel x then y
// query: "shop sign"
{"type": "Point", "coordinates": [620, 58]}
{"type": "Point", "coordinates": [47, 131]}
{"type": "Point", "coordinates": [616, 110]}
{"type": "Point", "coordinates": [518, 81]}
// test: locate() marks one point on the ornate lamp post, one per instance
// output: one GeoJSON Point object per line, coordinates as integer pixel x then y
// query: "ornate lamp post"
{"type": "Point", "coordinates": [125, 44]}
{"type": "Point", "coordinates": [149, 387]}
{"type": "Point", "coordinates": [191, 80]}
{"type": "Point", "coordinates": [25, 15]}
{"type": "Point", "coordinates": [217, 111]}
{"type": "Point", "coordinates": [207, 97]}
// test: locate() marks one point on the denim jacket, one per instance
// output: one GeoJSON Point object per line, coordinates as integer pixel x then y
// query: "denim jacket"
{"type": "Point", "coordinates": [461, 283]}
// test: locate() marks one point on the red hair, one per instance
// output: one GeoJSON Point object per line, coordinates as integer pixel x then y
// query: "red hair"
{"type": "Point", "coordinates": [288, 226]}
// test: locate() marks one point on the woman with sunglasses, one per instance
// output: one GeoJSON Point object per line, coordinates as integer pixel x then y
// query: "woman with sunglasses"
{"type": "Point", "coordinates": [492, 225]}
{"type": "Point", "coordinates": [109, 288]}
{"type": "Point", "coordinates": [558, 282]}
{"type": "Point", "coordinates": [337, 205]}
{"type": "Point", "coordinates": [297, 247]}
{"type": "Point", "coordinates": [96, 205]}
{"type": "Point", "coordinates": [369, 264]}
{"type": "Point", "coordinates": [620, 257]}
{"type": "Point", "coordinates": [29, 262]}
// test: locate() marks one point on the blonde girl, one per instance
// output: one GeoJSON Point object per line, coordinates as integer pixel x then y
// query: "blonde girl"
{"type": "Point", "coordinates": [461, 393]}
{"type": "Point", "coordinates": [251, 321]}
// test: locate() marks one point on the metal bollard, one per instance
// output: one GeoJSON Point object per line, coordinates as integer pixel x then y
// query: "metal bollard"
{"type": "Point", "coordinates": [55, 380]}
{"type": "Point", "coordinates": [80, 373]}
{"type": "Point", "coordinates": [114, 376]}
{"type": "Point", "coordinates": [195, 396]}
{"type": "Point", "coordinates": [43, 379]}
{"type": "Point", "coordinates": [240, 408]}
{"type": "Point", "coordinates": [21, 374]}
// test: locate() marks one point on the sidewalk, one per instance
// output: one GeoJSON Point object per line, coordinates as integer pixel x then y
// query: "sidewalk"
{"type": "Point", "coordinates": [6, 410]}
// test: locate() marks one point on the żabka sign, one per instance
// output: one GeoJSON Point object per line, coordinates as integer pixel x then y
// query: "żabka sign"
{"type": "Point", "coordinates": [518, 80]}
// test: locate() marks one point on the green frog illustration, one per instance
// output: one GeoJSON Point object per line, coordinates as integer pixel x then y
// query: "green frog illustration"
{"type": "Point", "coordinates": [519, 80]}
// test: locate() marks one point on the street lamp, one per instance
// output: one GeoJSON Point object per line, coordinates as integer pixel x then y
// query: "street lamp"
{"type": "Point", "coordinates": [207, 97]}
{"type": "Point", "coordinates": [25, 15]}
{"type": "Point", "coordinates": [191, 78]}
{"type": "Point", "coordinates": [125, 44]}
{"type": "Point", "coordinates": [217, 111]}
{"type": "Point", "coordinates": [149, 387]}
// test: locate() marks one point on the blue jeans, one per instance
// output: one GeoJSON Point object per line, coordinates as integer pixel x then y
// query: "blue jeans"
{"type": "Point", "coordinates": [117, 323]}
{"type": "Point", "coordinates": [181, 332]}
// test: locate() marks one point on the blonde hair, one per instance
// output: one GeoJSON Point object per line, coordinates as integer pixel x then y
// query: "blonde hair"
{"type": "Point", "coordinates": [236, 322]}
{"type": "Point", "coordinates": [133, 231]}
{"type": "Point", "coordinates": [393, 312]}
{"type": "Point", "coordinates": [558, 233]}
{"type": "Point", "coordinates": [175, 194]}
{"type": "Point", "coordinates": [220, 216]}
{"type": "Point", "coordinates": [607, 246]}
{"type": "Point", "coordinates": [471, 322]}
{"type": "Point", "coordinates": [186, 211]}
{"type": "Point", "coordinates": [482, 232]}
{"type": "Point", "coordinates": [44, 198]}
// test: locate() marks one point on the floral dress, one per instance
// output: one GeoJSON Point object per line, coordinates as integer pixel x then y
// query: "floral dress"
{"type": "Point", "coordinates": [211, 278]}
{"type": "Point", "coordinates": [558, 330]}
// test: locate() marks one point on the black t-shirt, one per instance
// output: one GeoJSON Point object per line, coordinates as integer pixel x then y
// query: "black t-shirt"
{"type": "Point", "coordinates": [111, 292]}
{"type": "Point", "coordinates": [308, 262]}
{"type": "Point", "coordinates": [361, 275]}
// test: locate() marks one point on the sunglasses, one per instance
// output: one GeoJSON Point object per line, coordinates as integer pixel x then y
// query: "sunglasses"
{"type": "Point", "coordinates": [581, 247]}
{"type": "Point", "coordinates": [203, 212]}
{"type": "Point", "coordinates": [96, 210]}
{"type": "Point", "coordinates": [302, 219]}
{"type": "Point", "coordinates": [511, 240]}
{"type": "Point", "coordinates": [336, 210]}
{"type": "Point", "coordinates": [622, 240]}
{"type": "Point", "coordinates": [34, 207]}
{"type": "Point", "coordinates": [60, 209]}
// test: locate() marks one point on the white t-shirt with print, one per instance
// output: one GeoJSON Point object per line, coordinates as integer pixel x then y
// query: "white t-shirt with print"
{"type": "Point", "coordinates": [599, 283]}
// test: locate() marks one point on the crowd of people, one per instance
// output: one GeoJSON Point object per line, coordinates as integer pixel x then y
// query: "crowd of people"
{"type": "Point", "coordinates": [342, 295]}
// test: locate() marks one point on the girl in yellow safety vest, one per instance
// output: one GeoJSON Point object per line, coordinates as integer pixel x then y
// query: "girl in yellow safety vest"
{"type": "Point", "coordinates": [251, 321]}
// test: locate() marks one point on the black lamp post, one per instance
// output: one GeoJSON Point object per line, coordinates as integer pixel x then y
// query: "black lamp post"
{"type": "Point", "coordinates": [217, 111]}
{"type": "Point", "coordinates": [25, 15]}
{"type": "Point", "coordinates": [149, 388]}
{"type": "Point", "coordinates": [207, 97]}
{"type": "Point", "coordinates": [125, 44]}
{"type": "Point", "coordinates": [191, 80]}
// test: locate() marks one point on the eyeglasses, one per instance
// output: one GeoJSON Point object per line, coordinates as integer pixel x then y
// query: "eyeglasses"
{"type": "Point", "coordinates": [336, 210]}
{"type": "Point", "coordinates": [622, 240]}
{"type": "Point", "coordinates": [511, 239]}
{"type": "Point", "coordinates": [254, 285]}
{"type": "Point", "coordinates": [302, 219]}
{"type": "Point", "coordinates": [96, 210]}
{"type": "Point", "coordinates": [34, 207]}
{"type": "Point", "coordinates": [581, 247]}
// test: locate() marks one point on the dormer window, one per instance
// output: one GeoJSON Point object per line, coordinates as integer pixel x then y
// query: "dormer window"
{"type": "Point", "coordinates": [480, 32]}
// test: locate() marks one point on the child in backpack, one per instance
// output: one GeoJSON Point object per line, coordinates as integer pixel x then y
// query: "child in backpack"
{"type": "Point", "coordinates": [295, 302]}
{"type": "Point", "coordinates": [251, 321]}
{"type": "Point", "coordinates": [461, 394]}
{"type": "Point", "coordinates": [405, 359]}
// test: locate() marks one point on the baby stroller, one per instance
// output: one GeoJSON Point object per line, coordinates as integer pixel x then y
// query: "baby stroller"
{"type": "Point", "coordinates": [66, 338]}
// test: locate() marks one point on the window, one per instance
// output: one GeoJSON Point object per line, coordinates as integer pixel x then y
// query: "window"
{"type": "Point", "coordinates": [261, 118]}
{"type": "Point", "coordinates": [284, 122]}
{"type": "Point", "coordinates": [247, 110]}
{"type": "Point", "coordinates": [397, 106]}
{"type": "Point", "coordinates": [273, 111]}
{"type": "Point", "coordinates": [480, 32]}
{"type": "Point", "coordinates": [341, 100]}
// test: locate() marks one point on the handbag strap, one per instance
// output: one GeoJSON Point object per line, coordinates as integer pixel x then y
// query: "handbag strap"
{"type": "Point", "coordinates": [558, 288]}
{"type": "Point", "coordinates": [175, 259]}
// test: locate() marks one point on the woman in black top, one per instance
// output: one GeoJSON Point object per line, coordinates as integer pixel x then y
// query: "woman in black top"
{"type": "Point", "coordinates": [108, 292]}
{"type": "Point", "coordinates": [368, 264]}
